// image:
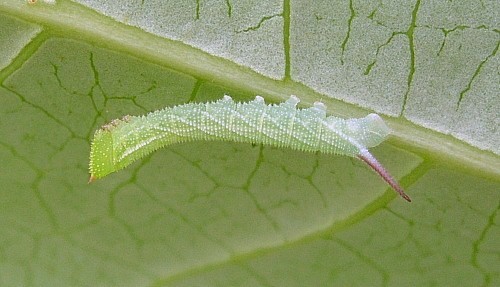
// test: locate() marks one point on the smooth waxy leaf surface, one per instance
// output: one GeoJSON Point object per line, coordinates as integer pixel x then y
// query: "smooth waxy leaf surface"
{"type": "Point", "coordinates": [222, 214]}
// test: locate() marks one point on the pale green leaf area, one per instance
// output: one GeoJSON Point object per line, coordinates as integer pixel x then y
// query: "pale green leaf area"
{"type": "Point", "coordinates": [224, 214]}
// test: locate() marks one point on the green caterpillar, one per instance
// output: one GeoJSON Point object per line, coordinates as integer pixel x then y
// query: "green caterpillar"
{"type": "Point", "coordinates": [121, 142]}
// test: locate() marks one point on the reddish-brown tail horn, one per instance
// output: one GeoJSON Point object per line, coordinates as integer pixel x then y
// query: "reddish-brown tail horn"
{"type": "Point", "coordinates": [377, 167]}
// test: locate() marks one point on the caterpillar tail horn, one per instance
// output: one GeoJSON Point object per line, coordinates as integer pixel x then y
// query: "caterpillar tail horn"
{"type": "Point", "coordinates": [378, 168]}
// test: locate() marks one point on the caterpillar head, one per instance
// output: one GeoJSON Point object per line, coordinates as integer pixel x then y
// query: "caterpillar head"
{"type": "Point", "coordinates": [101, 154]}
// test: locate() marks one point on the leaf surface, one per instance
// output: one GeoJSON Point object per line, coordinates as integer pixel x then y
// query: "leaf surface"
{"type": "Point", "coordinates": [223, 214]}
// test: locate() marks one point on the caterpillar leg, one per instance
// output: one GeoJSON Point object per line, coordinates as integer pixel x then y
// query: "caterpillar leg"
{"type": "Point", "coordinates": [377, 167]}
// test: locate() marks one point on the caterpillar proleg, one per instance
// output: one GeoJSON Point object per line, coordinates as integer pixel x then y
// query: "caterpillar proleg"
{"type": "Point", "coordinates": [121, 142]}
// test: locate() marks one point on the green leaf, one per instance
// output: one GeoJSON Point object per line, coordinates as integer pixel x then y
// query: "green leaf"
{"type": "Point", "coordinates": [222, 214]}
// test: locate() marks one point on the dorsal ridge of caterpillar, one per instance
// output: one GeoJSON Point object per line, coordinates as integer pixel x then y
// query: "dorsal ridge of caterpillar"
{"type": "Point", "coordinates": [123, 141]}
